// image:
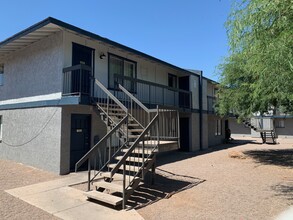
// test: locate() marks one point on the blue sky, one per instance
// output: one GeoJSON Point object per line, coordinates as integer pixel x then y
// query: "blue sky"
{"type": "Point", "coordinates": [187, 33]}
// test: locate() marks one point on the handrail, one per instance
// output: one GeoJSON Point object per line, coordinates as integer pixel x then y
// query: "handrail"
{"type": "Point", "coordinates": [77, 67]}
{"type": "Point", "coordinates": [136, 142]}
{"type": "Point", "coordinates": [151, 83]}
{"type": "Point", "coordinates": [134, 99]}
{"type": "Point", "coordinates": [95, 147]}
{"type": "Point", "coordinates": [110, 95]}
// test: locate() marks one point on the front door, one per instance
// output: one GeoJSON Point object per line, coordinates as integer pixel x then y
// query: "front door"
{"type": "Point", "coordinates": [184, 134]}
{"type": "Point", "coordinates": [80, 137]}
{"type": "Point", "coordinates": [81, 78]}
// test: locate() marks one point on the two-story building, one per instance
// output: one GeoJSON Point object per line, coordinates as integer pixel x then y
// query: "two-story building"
{"type": "Point", "coordinates": [52, 75]}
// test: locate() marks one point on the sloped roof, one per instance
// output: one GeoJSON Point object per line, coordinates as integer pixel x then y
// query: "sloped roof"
{"type": "Point", "coordinates": [51, 25]}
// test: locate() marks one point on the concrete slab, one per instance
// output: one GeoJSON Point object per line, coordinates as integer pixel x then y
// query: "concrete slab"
{"type": "Point", "coordinates": [57, 198]}
{"type": "Point", "coordinates": [92, 211]}
{"type": "Point", "coordinates": [71, 179]}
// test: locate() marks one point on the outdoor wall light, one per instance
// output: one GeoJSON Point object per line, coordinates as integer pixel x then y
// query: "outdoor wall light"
{"type": "Point", "coordinates": [102, 56]}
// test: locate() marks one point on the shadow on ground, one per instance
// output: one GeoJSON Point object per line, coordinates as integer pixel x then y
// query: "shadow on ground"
{"type": "Point", "coordinates": [285, 190]}
{"type": "Point", "coordinates": [281, 157]}
{"type": "Point", "coordinates": [166, 185]}
{"type": "Point", "coordinates": [174, 156]}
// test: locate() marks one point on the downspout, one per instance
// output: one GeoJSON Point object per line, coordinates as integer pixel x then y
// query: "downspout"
{"type": "Point", "coordinates": [200, 110]}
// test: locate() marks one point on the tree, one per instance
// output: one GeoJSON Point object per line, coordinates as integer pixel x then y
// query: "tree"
{"type": "Point", "coordinates": [257, 76]}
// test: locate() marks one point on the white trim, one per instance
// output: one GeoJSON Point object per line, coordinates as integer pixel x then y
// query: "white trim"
{"type": "Point", "coordinates": [51, 96]}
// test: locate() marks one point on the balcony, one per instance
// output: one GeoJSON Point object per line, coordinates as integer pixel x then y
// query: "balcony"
{"type": "Point", "coordinates": [77, 82]}
{"type": "Point", "coordinates": [152, 94]}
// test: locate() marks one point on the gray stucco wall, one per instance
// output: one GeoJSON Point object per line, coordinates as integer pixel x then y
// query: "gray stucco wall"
{"type": "Point", "coordinates": [287, 131]}
{"type": "Point", "coordinates": [32, 136]}
{"type": "Point", "coordinates": [238, 129]}
{"type": "Point", "coordinates": [194, 132]}
{"type": "Point", "coordinates": [98, 128]}
{"type": "Point", "coordinates": [35, 70]}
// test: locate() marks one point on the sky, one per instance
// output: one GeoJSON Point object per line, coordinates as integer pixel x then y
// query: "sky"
{"type": "Point", "coordinates": [186, 33]}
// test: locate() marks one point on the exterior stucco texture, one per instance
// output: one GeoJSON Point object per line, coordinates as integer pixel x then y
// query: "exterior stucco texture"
{"type": "Point", "coordinates": [35, 70]}
{"type": "Point", "coordinates": [32, 136]}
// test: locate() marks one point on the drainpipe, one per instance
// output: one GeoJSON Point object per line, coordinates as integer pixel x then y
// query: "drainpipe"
{"type": "Point", "coordinates": [200, 110]}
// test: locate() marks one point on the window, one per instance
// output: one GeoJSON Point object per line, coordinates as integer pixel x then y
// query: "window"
{"type": "Point", "coordinates": [122, 68]}
{"type": "Point", "coordinates": [1, 74]}
{"type": "Point", "coordinates": [280, 124]}
{"type": "Point", "coordinates": [1, 128]}
{"type": "Point", "coordinates": [218, 130]}
{"type": "Point", "coordinates": [172, 80]}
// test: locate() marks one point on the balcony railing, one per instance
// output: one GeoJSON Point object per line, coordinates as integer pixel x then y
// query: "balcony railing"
{"type": "Point", "coordinates": [153, 94]}
{"type": "Point", "coordinates": [77, 80]}
{"type": "Point", "coordinates": [211, 104]}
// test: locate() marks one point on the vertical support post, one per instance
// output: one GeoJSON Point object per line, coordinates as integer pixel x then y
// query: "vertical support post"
{"type": "Point", "coordinates": [178, 128]}
{"type": "Point", "coordinates": [154, 170]}
{"type": "Point", "coordinates": [124, 196]}
{"type": "Point", "coordinates": [158, 132]}
{"type": "Point", "coordinates": [143, 160]}
{"type": "Point", "coordinates": [200, 111]}
{"type": "Point", "coordinates": [89, 175]}
{"type": "Point", "coordinates": [80, 78]}
{"type": "Point", "coordinates": [108, 102]}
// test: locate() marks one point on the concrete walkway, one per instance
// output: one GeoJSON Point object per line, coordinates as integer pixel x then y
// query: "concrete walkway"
{"type": "Point", "coordinates": [59, 199]}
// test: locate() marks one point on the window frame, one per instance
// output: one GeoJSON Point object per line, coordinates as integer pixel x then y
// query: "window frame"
{"type": "Point", "coordinates": [174, 79]}
{"type": "Point", "coordinates": [1, 74]}
{"type": "Point", "coordinates": [123, 59]}
{"type": "Point", "coordinates": [218, 127]}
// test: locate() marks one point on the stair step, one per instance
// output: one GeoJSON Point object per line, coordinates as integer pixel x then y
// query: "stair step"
{"type": "Point", "coordinates": [139, 151]}
{"type": "Point", "coordinates": [127, 167]}
{"type": "Point", "coordinates": [118, 176]}
{"type": "Point", "coordinates": [103, 197]}
{"type": "Point", "coordinates": [133, 125]}
{"type": "Point", "coordinates": [132, 159]}
{"type": "Point", "coordinates": [113, 114]}
{"type": "Point", "coordinates": [135, 129]}
{"type": "Point", "coordinates": [111, 186]}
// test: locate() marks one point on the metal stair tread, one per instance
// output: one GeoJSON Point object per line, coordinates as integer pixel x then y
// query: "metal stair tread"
{"type": "Point", "coordinates": [139, 151]}
{"type": "Point", "coordinates": [118, 176]}
{"type": "Point", "coordinates": [103, 197]}
{"type": "Point", "coordinates": [133, 159]}
{"type": "Point", "coordinates": [111, 186]}
{"type": "Point", "coordinates": [127, 167]}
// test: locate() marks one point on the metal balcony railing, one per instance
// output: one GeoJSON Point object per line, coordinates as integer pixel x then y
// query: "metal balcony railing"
{"type": "Point", "coordinates": [152, 94]}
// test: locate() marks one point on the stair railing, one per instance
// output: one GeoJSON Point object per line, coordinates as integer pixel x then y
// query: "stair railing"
{"type": "Point", "coordinates": [105, 151]}
{"type": "Point", "coordinates": [108, 103]}
{"type": "Point", "coordinates": [138, 111]}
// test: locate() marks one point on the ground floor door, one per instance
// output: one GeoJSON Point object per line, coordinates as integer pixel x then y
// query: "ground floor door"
{"type": "Point", "coordinates": [80, 137]}
{"type": "Point", "coordinates": [184, 134]}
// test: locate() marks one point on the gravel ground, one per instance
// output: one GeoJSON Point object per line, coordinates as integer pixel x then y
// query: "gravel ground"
{"type": "Point", "coordinates": [13, 175]}
{"type": "Point", "coordinates": [244, 180]}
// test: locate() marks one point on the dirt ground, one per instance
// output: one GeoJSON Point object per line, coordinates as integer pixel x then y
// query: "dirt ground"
{"type": "Point", "coordinates": [14, 175]}
{"type": "Point", "coordinates": [241, 180]}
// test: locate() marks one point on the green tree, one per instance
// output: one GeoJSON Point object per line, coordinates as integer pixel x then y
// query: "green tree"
{"type": "Point", "coordinates": [257, 76]}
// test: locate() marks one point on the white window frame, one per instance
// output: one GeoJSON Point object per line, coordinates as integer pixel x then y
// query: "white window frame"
{"type": "Point", "coordinates": [218, 127]}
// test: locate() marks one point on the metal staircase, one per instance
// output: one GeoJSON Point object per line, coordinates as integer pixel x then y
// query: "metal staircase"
{"type": "Point", "coordinates": [267, 136]}
{"type": "Point", "coordinates": [118, 163]}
